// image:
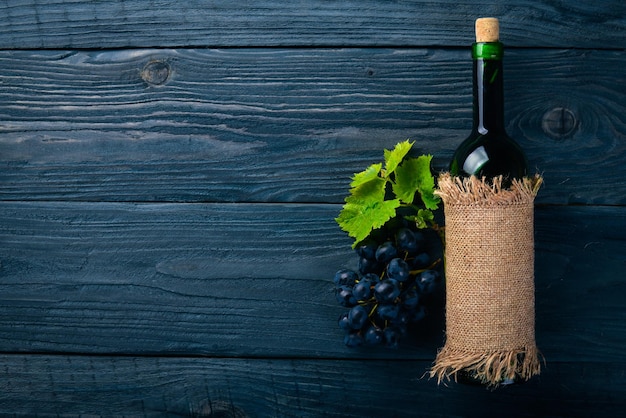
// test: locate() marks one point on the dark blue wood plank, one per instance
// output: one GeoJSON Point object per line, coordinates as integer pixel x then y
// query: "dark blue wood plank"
{"type": "Point", "coordinates": [290, 125]}
{"type": "Point", "coordinates": [256, 280]}
{"type": "Point", "coordinates": [72, 386]}
{"type": "Point", "coordinates": [138, 23]}
{"type": "Point", "coordinates": [187, 308]}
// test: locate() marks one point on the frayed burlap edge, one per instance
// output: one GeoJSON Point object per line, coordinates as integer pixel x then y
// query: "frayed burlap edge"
{"type": "Point", "coordinates": [494, 367]}
{"type": "Point", "coordinates": [490, 368]}
{"type": "Point", "coordinates": [475, 191]}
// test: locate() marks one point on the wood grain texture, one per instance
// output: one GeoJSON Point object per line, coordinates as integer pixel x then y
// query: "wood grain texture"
{"type": "Point", "coordinates": [289, 125]}
{"type": "Point", "coordinates": [138, 23]}
{"type": "Point", "coordinates": [250, 280]}
{"type": "Point", "coordinates": [256, 281]}
{"type": "Point", "coordinates": [72, 386]}
{"type": "Point", "coordinates": [170, 171]}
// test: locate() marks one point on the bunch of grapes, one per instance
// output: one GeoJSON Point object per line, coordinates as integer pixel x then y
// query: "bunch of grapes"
{"type": "Point", "coordinates": [397, 278]}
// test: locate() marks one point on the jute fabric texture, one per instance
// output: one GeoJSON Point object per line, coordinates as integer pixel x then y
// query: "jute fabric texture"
{"type": "Point", "coordinates": [490, 293]}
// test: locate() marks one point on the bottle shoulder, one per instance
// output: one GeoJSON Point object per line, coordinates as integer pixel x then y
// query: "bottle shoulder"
{"type": "Point", "coordinates": [489, 155]}
{"type": "Point", "coordinates": [498, 142]}
{"type": "Point", "coordinates": [489, 136]}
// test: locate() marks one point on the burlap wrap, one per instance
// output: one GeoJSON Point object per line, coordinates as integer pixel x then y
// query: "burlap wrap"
{"type": "Point", "coordinates": [490, 294]}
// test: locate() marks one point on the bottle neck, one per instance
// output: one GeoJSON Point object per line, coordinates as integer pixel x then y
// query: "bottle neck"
{"type": "Point", "coordinates": [488, 87]}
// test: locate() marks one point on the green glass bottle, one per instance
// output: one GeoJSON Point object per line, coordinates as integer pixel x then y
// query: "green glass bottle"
{"type": "Point", "coordinates": [488, 151]}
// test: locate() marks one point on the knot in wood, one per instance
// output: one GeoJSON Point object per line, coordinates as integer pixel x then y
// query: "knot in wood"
{"type": "Point", "coordinates": [156, 72]}
{"type": "Point", "coordinates": [559, 122]}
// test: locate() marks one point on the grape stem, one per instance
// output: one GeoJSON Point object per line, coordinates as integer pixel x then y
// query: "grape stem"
{"type": "Point", "coordinates": [433, 265]}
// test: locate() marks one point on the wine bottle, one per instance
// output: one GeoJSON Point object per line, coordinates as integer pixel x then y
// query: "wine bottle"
{"type": "Point", "coordinates": [488, 151]}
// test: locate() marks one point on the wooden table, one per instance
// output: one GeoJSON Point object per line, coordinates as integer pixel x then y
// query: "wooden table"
{"type": "Point", "coordinates": [170, 173]}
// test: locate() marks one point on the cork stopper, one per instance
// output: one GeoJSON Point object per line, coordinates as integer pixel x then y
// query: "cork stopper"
{"type": "Point", "coordinates": [487, 29]}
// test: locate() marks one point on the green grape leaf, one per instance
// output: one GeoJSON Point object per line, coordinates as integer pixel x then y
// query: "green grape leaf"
{"type": "Point", "coordinates": [427, 185]}
{"type": "Point", "coordinates": [407, 180]}
{"type": "Point", "coordinates": [431, 201]}
{"type": "Point", "coordinates": [370, 173]}
{"type": "Point", "coordinates": [373, 190]}
{"type": "Point", "coordinates": [370, 205]}
{"type": "Point", "coordinates": [423, 219]}
{"type": "Point", "coordinates": [394, 158]}
{"type": "Point", "coordinates": [366, 209]}
{"type": "Point", "coordinates": [358, 220]}
{"type": "Point", "coordinates": [414, 176]}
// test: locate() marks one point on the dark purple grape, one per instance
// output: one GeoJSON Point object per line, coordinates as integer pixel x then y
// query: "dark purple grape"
{"type": "Point", "coordinates": [420, 239]}
{"type": "Point", "coordinates": [420, 261]}
{"type": "Point", "coordinates": [362, 291]}
{"type": "Point", "coordinates": [403, 318]}
{"type": "Point", "coordinates": [387, 290]}
{"type": "Point", "coordinates": [405, 240]}
{"type": "Point", "coordinates": [388, 311]}
{"type": "Point", "coordinates": [353, 339]}
{"type": "Point", "coordinates": [392, 336]}
{"type": "Point", "coordinates": [367, 248]}
{"type": "Point", "coordinates": [345, 277]}
{"type": "Point", "coordinates": [428, 281]}
{"type": "Point", "coordinates": [372, 277]}
{"type": "Point", "coordinates": [398, 269]}
{"type": "Point", "coordinates": [411, 298]}
{"type": "Point", "coordinates": [345, 297]}
{"type": "Point", "coordinates": [385, 252]}
{"type": "Point", "coordinates": [374, 335]}
{"type": "Point", "coordinates": [367, 266]}
{"type": "Point", "coordinates": [343, 322]}
{"type": "Point", "coordinates": [357, 317]}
